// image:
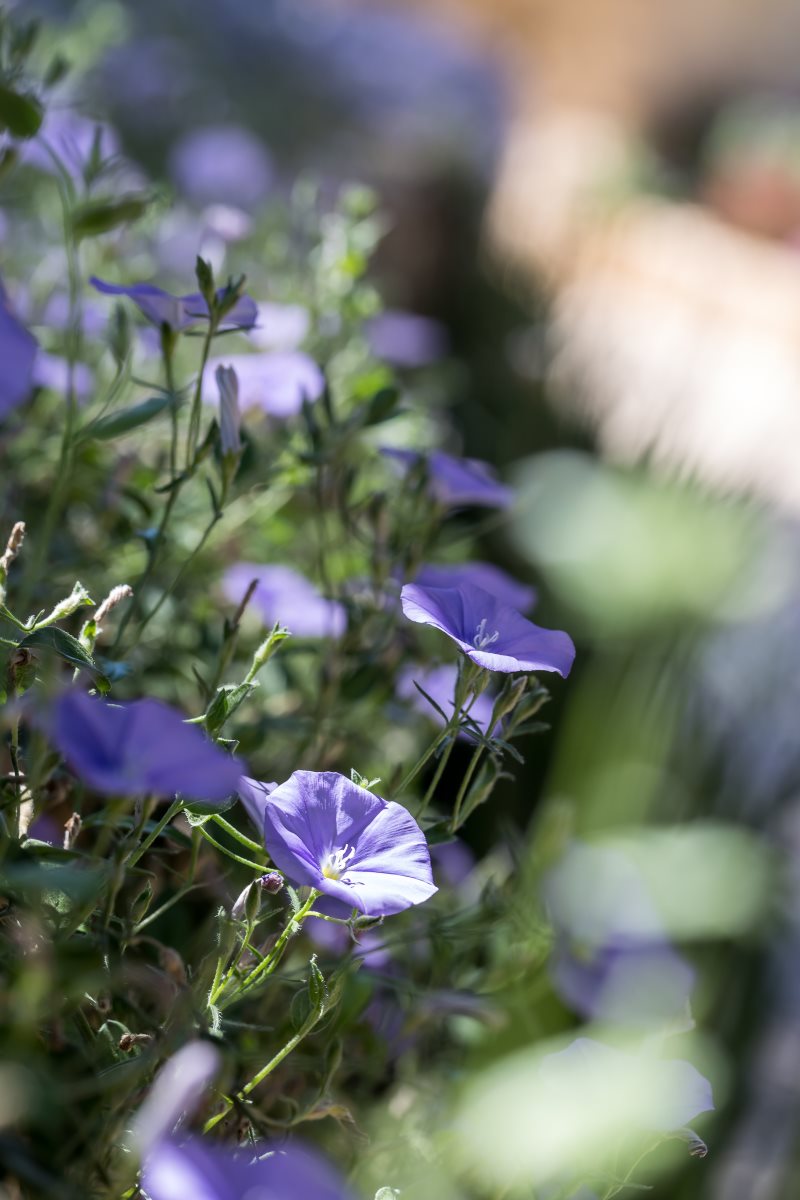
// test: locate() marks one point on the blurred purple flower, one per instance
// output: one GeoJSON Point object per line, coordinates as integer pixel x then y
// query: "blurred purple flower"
{"type": "Point", "coordinates": [222, 164]}
{"type": "Point", "coordinates": [328, 833]}
{"type": "Point", "coordinates": [454, 861]}
{"type": "Point", "coordinates": [227, 222]}
{"type": "Point", "coordinates": [206, 1170]}
{"type": "Point", "coordinates": [440, 684]}
{"type": "Point", "coordinates": [175, 1093]}
{"type": "Point", "coordinates": [405, 339]}
{"type": "Point", "coordinates": [494, 636]}
{"type": "Point", "coordinates": [455, 482]}
{"type": "Point", "coordinates": [52, 371]}
{"type": "Point", "coordinates": [492, 579]}
{"type": "Point", "coordinates": [612, 960]}
{"type": "Point", "coordinates": [280, 326]}
{"type": "Point", "coordinates": [56, 314]}
{"type": "Point", "coordinates": [142, 748]}
{"type": "Point", "coordinates": [625, 983]}
{"type": "Point", "coordinates": [284, 595]}
{"type": "Point", "coordinates": [678, 1092]}
{"type": "Point", "coordinates": [71, 136]}
{"type": "Point", "coordinates": [277, 383]}
{"type": "Point", "coordinates": [18, 350]}
{"type": "Point", "coordinates": [179, 312]}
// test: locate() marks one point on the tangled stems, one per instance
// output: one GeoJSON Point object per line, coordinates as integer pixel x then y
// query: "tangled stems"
{"type": "Point", "coordinates": [270, 961]}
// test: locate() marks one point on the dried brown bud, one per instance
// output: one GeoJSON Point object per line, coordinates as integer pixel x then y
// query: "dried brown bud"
{"type": "Point", "coordinates": [13, 545]}
{"type": "Point", "coordinates": [129, 1040]}
{"type": "Point", "coordinates": [117, 594]}
{"type": "Point", "coordinates": [72, 828]}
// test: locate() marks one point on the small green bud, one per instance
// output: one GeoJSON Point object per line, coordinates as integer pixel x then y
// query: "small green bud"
{"type": "Point", "coordinates": [141, 903]}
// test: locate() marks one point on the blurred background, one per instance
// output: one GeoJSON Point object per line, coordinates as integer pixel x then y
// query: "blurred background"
{"type": "Point", "coordinates": [592, 213]}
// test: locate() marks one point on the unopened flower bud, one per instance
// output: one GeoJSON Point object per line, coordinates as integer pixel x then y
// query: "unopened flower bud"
{"type": "Point", "coordinates": [71, 830]}
{"type": "Point", "coordinates": [509, 697]}
{"type": "Point", "coordinates": [272, 882]}
{"type": "Point", "coordinates": [230, 420]}
{"type": "Point", "coordinates": [13, 546]}
{"type": "Point", "coordinates": [117, 594]}
{"type": "Point", "coordinates": [247, 903]}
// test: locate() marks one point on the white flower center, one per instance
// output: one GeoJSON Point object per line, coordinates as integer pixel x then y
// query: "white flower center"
{"type": "Point", "coordinates": [337, 862]}
{"type": "Point", "coordinates": [482, 639]}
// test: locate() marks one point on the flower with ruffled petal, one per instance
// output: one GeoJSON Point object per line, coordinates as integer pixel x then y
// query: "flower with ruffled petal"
{"type": "Point", "coordinates": [286, 596]}
{"type": "Point", "coordinates": [499, 583]}
{"type": "Point", "coordinates": [493, 635]}
{"type": "Point", "coordinates": [178, 312]}
{"type": "Point", "coordinates": [324, 831]}
{"type": "Point", "coordinates": [141, 748]}
{"type": "Point", "coordinates": [455, 482]}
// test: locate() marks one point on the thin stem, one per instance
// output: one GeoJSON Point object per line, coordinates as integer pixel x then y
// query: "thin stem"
{"type": "Point", "coordinates": [171, 812]}
{"type": "Point", "coordinates": [270, 962]}
{"type": "Point", "coordinates": [167, 350]}
{"type": "Point", "coordinates": [224, 850]}
{"type": "Point", "coordinates": [423, 759]}
{"type": "Point", "coordinates": [194, 416]}
{"type": "Point", "coordinates": [462, 791]}
{"type": "Point", "coordinates": [181, 572]}
{"type": "Point", "coordinates": [233, 832]}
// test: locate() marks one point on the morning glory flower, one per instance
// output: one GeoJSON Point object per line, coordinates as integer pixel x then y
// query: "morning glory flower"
{"type": "Point", "coordinates": [179, 312]}
{"type": "Point", "coordinates": [286, 596]}
{"type": "Point", "coordinates": [324, 831]}
{"type": "Point", "coordinates": [456, 482]}
{"type": "Point", "coordinates": [18, 350]}
{"type": "Point", "coordinates": [175, 1170]}
{"type": "Point", "coordinates": [440, 684]}
{"type": "Point", "coordinates": [493, 635]}
{"type": "Point", "coordinates": [175, 1167]}
{"type": "Point", "coordinates": [499, 583]}
{"type": "Point", "coordinates": [141, 748]}
{"type": "Point", "coordinates": [276, 382]}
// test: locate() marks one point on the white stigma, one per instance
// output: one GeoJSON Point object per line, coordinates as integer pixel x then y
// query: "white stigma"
{"type": "Point", "coordinates": [482, 639]}
{"type": "Point", "coordinates": [337, 862]}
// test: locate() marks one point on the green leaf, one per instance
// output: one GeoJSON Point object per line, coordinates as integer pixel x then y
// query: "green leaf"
{"type": "Point", "coordinates": [317, 987]}
{"type": "Point", "coordinates": [100, 216]}
{"type": "Point", "coordinates": [20, 115]}
{"type": "Point", "coordinates": [66, 646]}
{"type": "Point", "coordinates": [126, 419]}
{"type": "Point", "coordinates": [225, 703]}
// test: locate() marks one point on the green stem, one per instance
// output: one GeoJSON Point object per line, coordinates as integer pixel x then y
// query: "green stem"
{"type": "Point", "coordinates": [165, 595]}
{"type": "Point", "coordinates": [229, 853]}
{"type": "Point", "coordinates": [197, 400]}
{"type": "Point", "coordinates": [423, 759]}
{"type": "Point", "coordinates": [462, 791]}
{"type": "Point", "coordinates": [270, 962]}
{"type": "Point", "coordinates": [233, 832]}
{"type": "Point", "coordinates": [171, 812]}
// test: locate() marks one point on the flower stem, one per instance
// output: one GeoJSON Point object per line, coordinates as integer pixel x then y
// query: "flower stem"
{"type": "Point", "coordinates": [171, 812]}
{"type": "Point", "coordinates": [233, 832]}
{"type": "Point", "coordinates": [194, 416]}
{"type": "Point", "coordinates": [462, 791]}
{"type": "Point", "coordinates": [270, 962]}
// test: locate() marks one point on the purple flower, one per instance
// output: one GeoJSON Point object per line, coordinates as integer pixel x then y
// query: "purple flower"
{"type": "Point", "coordinates": [72, 136]}
{"type": "Point", "coordinates": [52, 371]}
{"type": "Point", "coordinates": [479, 574]}
{"type": "Point", "coordinates": [440, 684]}
{"type": "Point", "coordinates": [328, 833]}
{"type": "Point", "coordinates": [284, 595]}
{"type": "Point", "coordinates": [456, 482]}
{"type": "Point", "coordinates": [625, 983]}
{"type": "Point", "coordinates": [668, 1092]}
{"type": "Point", "coordinates": [179, 312]}
{"type": "Point", "coordinates": [205, 1170]}
{"type": "Point", "coordinates": [18, 350]}
{"type": "Point", "coordinates": [277, 383]}
{"type": "Point", "coordinates": [223, 164]}
{"type": "Point", "coordinates": [138, 749]}
{"type": "Point", "coordinates": [280, 326]}
{"type": "Point", "coordinates": [405, 339]}
{"type": "Point", "coordinates": [493, 635]}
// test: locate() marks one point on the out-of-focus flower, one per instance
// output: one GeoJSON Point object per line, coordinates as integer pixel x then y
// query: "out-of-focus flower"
{"type": "Point", "coordinates": [280, 326]}
{"type": "Point", "coordinates": [494, 636]}
{"type": "Point", "coordinates": [455, 482]}
{"type": "Point", "coordinates": [72, 137]}
{"type": "Point", "coordinates": [222, 164]}
{"type": "Point", "coordinates": [672, 1091]}
{"type": "Point", "coordinates": [175, 1093]}
{"type": "Point", "coordinates": [18, 351]}
{"type": "Point", "coordinates": [484, 575]}
{"type": "Point", "coordinates": [440, 684]}
{"type": "Point", "coordinates": [56, 314]}
{"type": "Point", "coordinates": [227, 222]}
{"type": "Point", "coordinates": [207, 1171]}
{"type": "Point", "coordinates": [142, 748]}
{"type": "Point", "coordinates": [179, 312]}
{"type": "Point", "coordinates": [405, 339]}
{"type": "Point", "coordinates": [53, 372]}
{"type": "Point", "coordinates": [612, 960]}
{"type": "Point", "coordinates": [625, 983]}
{"type": "Point", "coordinates": [277, 383]}
{"type": "Point", "coordinates": [230, 419]}
{"type": "Point", "coordinates": [286, 596]}
{"type": "Point", "coordinates": [326, 832]}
